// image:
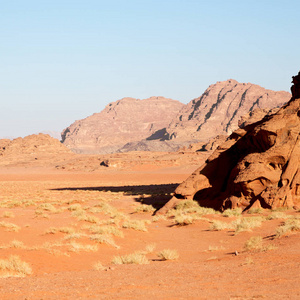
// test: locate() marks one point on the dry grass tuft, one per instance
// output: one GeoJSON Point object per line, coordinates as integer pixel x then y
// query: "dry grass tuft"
{"type": "Point", "coordinates": [232, 212]}
{"type": "Point", "coordinates": [168, 254]}
{"type": "Point", "coordinates": [247, 223]}
{"type": "Point", "coordinates": [104, 239]}
{"type": "Point", "coordinates": [107, 229]}
{"type": "Point", "coordinates": [256, 210]}
{"type": "Point", "coordinates": [98, 266]}
{"type": "Point", "coordinates": [136, 224]}
{"type": "Point", "coordinates": [134, 258]}
{"type": "Point", "coordinates": [277, 215]}
{"type": "Point", "coordinates": [14, 267]}
{"type": "Point", "coordinates": [254, 243]}
{"type": "Point", "coordinates": [290, 225]}
{"type": "Point", "coordinates": [144, 208]}
{"type": "Point", "coordinates": [183, 220]}
{"type": "Point", "coordinates": [76, 247]}
{"type": "Point", "coordinates": [219, 225]}
{"type": "Point", "coordinates": [158, 218]}
{"type": "Point", "coordinates": [215, 248]}
{"type": "Point", "coordinates": [8, 214]}
{"type": "Point", "coordinates": [17, 244]}
{"type": "Point", "coordinates": [9, 226]}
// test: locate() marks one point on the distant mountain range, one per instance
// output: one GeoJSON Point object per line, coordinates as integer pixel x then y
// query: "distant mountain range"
{"type": "Point", "coordinates": [160, 124]}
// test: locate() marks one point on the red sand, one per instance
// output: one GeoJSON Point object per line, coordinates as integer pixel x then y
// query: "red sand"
{"type": "Point", "coordinates": [197, 274]}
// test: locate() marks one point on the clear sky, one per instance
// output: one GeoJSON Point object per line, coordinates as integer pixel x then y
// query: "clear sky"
{"type": "Point", "coordinates": [63, 60]}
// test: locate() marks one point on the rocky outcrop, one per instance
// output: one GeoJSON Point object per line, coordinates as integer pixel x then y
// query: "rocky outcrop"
{"type": "Point", "coordinates": [32, 145]}
{"type": "Point", "coordinates": [210, 145]}
{"type": "Point", "coordinates": [258, 165]}
{"type": "Point", "coordinates": [121, 122]}
{"type": "Point", "coordinates": [218, 110]}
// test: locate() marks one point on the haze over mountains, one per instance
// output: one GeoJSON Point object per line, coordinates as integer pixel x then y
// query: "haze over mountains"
{"type": "Point", "coordinates": [160, 124]}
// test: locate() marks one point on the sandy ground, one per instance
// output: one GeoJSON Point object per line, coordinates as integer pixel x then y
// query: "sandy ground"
{"type": "Point", "coordinates": [56, 215]}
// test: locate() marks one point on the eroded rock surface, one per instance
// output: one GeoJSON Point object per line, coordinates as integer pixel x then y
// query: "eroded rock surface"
{"type": "Point", "coordinates": [258, 165]}
{"type": "Point", "coordinates": [218, 110]}
{"type": "Point", "coordinates": [32, 145]}
{"type": "Point", "coordinates": [121, 122]}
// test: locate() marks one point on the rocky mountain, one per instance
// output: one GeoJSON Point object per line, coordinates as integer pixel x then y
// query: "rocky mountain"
{"type": "Point", "coordinates": [160, 124]}
{"type": "Point", "coordinates": [121, 122]}
{"type": "Point", "coordinates": [258, 166]}
{"type": "Point", "coordinates": [218, 110]}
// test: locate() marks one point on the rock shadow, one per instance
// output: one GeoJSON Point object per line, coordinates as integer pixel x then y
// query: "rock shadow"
{"type": "Point", "coordinates": [156, 195]}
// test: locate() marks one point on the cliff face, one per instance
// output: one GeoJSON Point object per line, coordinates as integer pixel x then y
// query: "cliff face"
{"type": "Point", "coordinates": [218, 110]}
{"type": "Point", "coordinates": [121, 122]}
{"type": "Point", "coordinates": [258, 166]}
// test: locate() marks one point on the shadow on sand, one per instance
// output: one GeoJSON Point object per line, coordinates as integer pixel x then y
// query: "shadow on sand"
{"type": "Point", "coordinates": [156, 195]}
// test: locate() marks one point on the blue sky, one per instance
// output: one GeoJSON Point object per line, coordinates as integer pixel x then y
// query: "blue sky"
{"type": "Point", "coordinates": [61, 60]}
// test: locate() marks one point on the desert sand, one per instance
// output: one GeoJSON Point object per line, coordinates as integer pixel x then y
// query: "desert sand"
{"type": "Point", "coordinates": [70, 228]}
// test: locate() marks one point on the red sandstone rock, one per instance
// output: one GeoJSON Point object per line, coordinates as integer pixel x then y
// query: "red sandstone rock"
{"type": "Point", "coordinates": [257, 165]}
{"type": "Point", "coordinates": [218, 110]}
{"type": "Point", "coordinates": [32, 144]}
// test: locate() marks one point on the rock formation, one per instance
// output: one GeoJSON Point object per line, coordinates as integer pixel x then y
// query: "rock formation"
{"type": "Point", "coordinates": [121, 122]}
{"type": "Point", "coordinates": [218, 110]}
{"type": "Point", "coordinates": [32, 145]}
{"type": "Point", "coordinates": [295, 88]}
{"type": "Point", "coordinates": [258, 165]}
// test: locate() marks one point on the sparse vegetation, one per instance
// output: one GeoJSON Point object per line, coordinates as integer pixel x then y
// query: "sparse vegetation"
{"type": "Point", "coordinates": [9, 226]}
{"type": "Point", "coordinates": [144, 208]}
{"type": "Point", "coordinates": [232, 212]}
{"type": "Point", "coordinates": [158, 218]}
{"type": "Point", "coordinates": [134, 258]}
{"type": "Point", "coordinates": [215, 248]}
{"type": "Point", "coordinates": [98, 266]}
{"type": "Point", "coordinates": [136, 224]}
{"type": "Point", "coordinates": [254, 243]}
{"type": "Point", "coordinates": [289, 226]}
{"type": "Point", "coordinates": [247, 223]}
{"type": "Point", "coordinates": [8, 214]}
{"type": "Point", "coordinates": [168, 254]}
{"type": "Point", "coordinates": [182, 219]}
{"type": "Point", "coordinates": [255, 210]}
{"type": "Point", "coordinates": [14, 267]}
{"type": "Point", "coordinates": [277, 215]}
{"type": "Point", "coordinates": [219, 225]}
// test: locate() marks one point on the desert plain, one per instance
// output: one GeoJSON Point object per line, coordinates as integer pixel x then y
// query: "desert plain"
{"type": "Point", "coordinates": [73, 227]}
